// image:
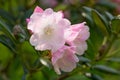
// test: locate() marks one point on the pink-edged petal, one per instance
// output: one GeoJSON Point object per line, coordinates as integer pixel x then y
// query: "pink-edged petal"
{"type": "Point", "coordinates": [38, 9]}
{"type": "Point", "coordinates": [77, 31]}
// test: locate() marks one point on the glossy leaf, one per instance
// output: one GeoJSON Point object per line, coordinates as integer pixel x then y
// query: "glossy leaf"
{"type": "Point", "coordinates": [6, 29]}
{"type": "Point", "coordinates": [114, 59]}
{"type": "Point", "coordinates": [7, 42]}
{"type": "Point", "coordinates": [84, 59]}
{"type": "Point", "coordinates": [96, 77]}
{"type": "Point", "coordinates": [99, 22]}
{"type": "Point", "coordinates": [96, 37]}
{"type": "Point", "coordinates": [109, 15]}
{"type": "Point", "coordinates": [106, 69]}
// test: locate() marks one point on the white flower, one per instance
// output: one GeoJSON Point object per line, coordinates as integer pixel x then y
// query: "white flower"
{"type": "Point", "coordinates": [48, 30]}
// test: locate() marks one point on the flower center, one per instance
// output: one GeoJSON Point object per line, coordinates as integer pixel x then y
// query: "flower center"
{"type": "Point", "coordinates": [48, 30]}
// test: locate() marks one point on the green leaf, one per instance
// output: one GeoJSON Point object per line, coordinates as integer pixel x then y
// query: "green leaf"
{"type": "Point", "coordinates": [109, 15]}
{"type": "Point", "coordinates": [84, 59]}
{"type": "Point", "coordinates": [115, 25]}
{"type": "Point", "coordinates": [88, 9]}
{"type": "Point", "coordinates": [7, 42]}
{"type": "Point", "coordinates": [5, 28]}
{"type": "Point", "coordinates": [5, 56]}
{"type": "Point", "coordinates": [106, 69]}
{"type": "Point", "coordinates": [114, 59]}
{"type": "Point", "coordinates": [28, 53]}
{"type": "Point", "coordinates": [87, 15]}
{"type": "Point", "coordinates": [36, 76]}
{"type": "Point", "coordinates": [100, 22]}
{"type": "Point", "coordinates": [108, 4]}
{"type": "Point", "coordinates": [15, 70]}
{"type": "Point", "coordinates": [96, 37]}
{"type": "Point", "coordinates": [96, 77]}
{"type": "Point", "coordinates": [7, 16]}
{"type": "Point", "coordinates": [94, 42]}
{"type": "Point", "coordinates": [77, 77]}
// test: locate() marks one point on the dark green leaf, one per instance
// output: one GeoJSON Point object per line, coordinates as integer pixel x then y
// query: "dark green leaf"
{"type": "Point", "coordinates": [5, 28]}
{"type": "Point", "coordinates": [29, 55]}
{"type": "Point", "coordinates": [87, 15]}
{"type": "Point", "coordinates": [109, 15]}
{"type": "Point", "coordinates": [100, 22]}
{"type": "Point", "coordinates": [7, 42]}
{"type": "Point", "coordinates": [96, 37]}
{"type": "Point", "coordinates": [94, 43]}
{"type": "Point", "coordinates": [107, 3]}
{"type": "Point", "coordinates": [114, 59]}
{"type": "Point", "coordinates": [106, 69]}
{"type": "Point", "coordinates": [87, 9]}
{"type": "Point", "coordinates": [84, 59]}
{"type": "Point", "coordinates": [7, 16]}
{"type": "Point", "coordinates": [96, 77]}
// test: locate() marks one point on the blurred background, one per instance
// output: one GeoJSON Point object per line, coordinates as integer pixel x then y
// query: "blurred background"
{"type": "Point", "coordinates": [20, 61]}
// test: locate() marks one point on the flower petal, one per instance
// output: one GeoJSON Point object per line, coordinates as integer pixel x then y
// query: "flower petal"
{"type": "Point", "coordinates": [65, 59]}
{"type": "Point", "coordinates": [81, 47]}
{"type": "Point", "coordinates": [38, 9]}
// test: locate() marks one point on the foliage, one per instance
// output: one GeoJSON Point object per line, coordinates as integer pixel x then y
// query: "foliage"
{"type": "Point", "coordinates": [19, 60]}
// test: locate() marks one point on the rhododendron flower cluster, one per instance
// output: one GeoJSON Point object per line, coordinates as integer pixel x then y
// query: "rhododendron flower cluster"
{"type": "Point", "coordinates": [51, 31]}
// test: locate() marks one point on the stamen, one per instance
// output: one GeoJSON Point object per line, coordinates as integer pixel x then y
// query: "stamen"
{"type": "Point", "coordinates": [48, 30]}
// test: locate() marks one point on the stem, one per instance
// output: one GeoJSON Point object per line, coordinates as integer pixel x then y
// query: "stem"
{"type": "Point", "coordinates": [63, 77]}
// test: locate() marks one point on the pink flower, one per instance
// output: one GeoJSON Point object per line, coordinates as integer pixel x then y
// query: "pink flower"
{"type": "Point", "coordinates": [48, 29]}
{"type": "Point", "coordinates": [36, 10]}
{"type": "Point", "coordinates": [64, 59]}
{"type": "Point", "coordinates": [78, 34]}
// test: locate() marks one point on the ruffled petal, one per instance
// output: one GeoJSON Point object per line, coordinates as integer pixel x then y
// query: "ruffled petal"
{"type": "Point", "coordinates": [65, 59]}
